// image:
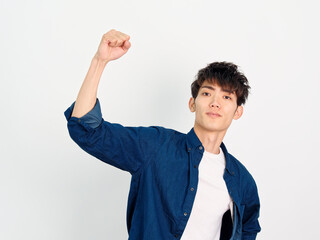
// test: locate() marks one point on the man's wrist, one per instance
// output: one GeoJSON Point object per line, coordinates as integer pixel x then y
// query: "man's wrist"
{"type": "Point", "coordinates": [99, 60]}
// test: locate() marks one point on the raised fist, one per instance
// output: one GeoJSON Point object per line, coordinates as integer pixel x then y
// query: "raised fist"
{"type": "Point", "coordinates": [113, 45]}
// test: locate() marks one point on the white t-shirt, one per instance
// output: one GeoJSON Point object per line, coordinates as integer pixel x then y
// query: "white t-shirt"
{"type": "Point", "coordinates": [212, 200]}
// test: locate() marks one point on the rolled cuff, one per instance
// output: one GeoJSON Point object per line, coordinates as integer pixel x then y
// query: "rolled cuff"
{"type": "Point", "coordinates": [92, 119]}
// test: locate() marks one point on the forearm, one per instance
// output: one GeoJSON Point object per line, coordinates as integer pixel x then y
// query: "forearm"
{"type": "Point", "coordinates": [88, 92]}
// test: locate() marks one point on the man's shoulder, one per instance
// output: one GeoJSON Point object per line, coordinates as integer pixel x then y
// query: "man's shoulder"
{"type": "Point", "coordinates": [242, 170]}
{"type": "Point", "coordinates": [170, 134]}
{"type": "Point", "coordinates": [163, 134]}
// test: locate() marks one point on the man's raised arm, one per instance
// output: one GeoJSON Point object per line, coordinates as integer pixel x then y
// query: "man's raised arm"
{"type": "Point", "coordinates": [126, 148]}
{"type": "Point", "coordinates": [113, 45]}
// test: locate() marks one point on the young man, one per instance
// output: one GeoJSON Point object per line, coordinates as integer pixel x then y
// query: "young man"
{"type": "Point", "coordinates": [183, 186]}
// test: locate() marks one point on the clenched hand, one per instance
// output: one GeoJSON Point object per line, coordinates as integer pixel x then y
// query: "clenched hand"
{"type": "Point", "coordinates": [113, 45]}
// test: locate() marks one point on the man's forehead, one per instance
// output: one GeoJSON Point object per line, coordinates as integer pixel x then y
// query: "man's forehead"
{"type": "Point", "coordinates": [213, 85]}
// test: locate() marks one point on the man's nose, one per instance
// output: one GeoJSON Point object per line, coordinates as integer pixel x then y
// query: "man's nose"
{"type": "Point", "coordinates": [214, 102]}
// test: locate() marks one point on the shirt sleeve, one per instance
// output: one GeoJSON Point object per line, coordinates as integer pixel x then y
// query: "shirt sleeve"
{"type": "Point", "coordinates": [250, 223]}
{"type": "Point", "coordinates": [92, 119]}
{"type": "Point", "coordinates": [126, 148]}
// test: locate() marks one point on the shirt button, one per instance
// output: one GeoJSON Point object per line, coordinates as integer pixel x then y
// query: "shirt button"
{"type": "Point", "coordinates": [200, 147]}
{"type": "Point", "coordinates": [189, 149]}
{"type": "Point", "coordinates": [192, 189]}
{"type": "Point", "coordinates": [176, 235]}
{"type": "Point", "coordinates": [195, 166]}
{"type": "Point", "coordinates": [185, 214]}
{"type": "Point", "coordinates": [79, 120]}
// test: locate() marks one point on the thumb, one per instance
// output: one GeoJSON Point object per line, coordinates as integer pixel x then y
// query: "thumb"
{"type": "Point", "coordinates": [126, 46]}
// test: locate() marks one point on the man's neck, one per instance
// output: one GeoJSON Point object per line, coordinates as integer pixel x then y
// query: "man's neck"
{"type": "Point", "coordinates": [211, 141]}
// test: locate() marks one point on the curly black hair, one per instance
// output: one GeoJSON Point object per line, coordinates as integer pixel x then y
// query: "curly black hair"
{"type": "Point", "coordinates": [227, 76]}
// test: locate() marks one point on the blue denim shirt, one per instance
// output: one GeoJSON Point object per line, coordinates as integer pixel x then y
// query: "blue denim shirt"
{"type": "Point", "coordinates": [163, 164]}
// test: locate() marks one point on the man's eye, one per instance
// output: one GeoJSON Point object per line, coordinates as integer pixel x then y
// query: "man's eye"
{"type": "Point", "coordinates": [205, 94]}
{"type": "Point", "coordinates": [228, 97]}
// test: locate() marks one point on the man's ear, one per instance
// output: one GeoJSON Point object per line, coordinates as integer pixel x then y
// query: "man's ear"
{"type": "Point", "coordinates": [192, 105]}
{"type": "Point", "coordinates": [238, 113]}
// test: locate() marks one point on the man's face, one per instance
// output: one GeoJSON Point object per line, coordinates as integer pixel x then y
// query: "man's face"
{"type": "Point", "coordinates": [213, 100]}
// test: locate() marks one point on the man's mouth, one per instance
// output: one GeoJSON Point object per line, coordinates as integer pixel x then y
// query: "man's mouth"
{"type": "Point", "coordinates": [213, 115]}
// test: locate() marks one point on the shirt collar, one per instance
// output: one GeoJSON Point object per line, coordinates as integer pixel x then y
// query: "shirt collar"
{"type": "Point", "coordinates": [194, 142]}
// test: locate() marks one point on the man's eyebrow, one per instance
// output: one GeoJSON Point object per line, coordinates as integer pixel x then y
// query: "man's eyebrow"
{"type": "Point", "coordinates": [223, 89]}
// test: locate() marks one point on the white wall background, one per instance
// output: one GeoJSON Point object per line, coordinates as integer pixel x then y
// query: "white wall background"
{"type": "Point", "coordinates": [51, 189]}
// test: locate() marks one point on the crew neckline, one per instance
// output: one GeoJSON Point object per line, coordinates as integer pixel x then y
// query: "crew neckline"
{"type": "Point", "coordinates": [213, 154]}
{"type": "Point", "coordinates": [219, 157]}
